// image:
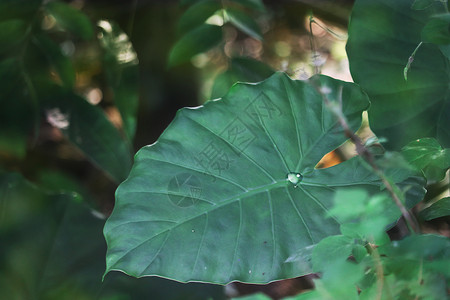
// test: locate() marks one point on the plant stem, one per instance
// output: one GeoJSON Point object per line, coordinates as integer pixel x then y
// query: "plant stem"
{"type": "Point", "coordinates": [365, 154]}
{"type": "Point", "coordinates": [410, 61]}
{"type": "Point", "coordinates": [313, 48]}
{"type": "Point", "coordinates": [378, 270]}
{"type": "Point", "coordinates": [420, 276]}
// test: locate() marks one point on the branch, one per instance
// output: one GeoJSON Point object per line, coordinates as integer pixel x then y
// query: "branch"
{"type": "Point", "coordinates": [363, 152]}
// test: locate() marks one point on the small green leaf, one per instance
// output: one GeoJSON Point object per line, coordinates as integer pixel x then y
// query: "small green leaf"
{"type": "Point", "coordinates": [194, 42]}
{"type": "Point", "coordinates": [436, 31]}
{"type": "Point", "coordinates": [427, 154]}
{"type": "Point", "coordinates": [197, 14]}
{"type": "Point", "coordinates": [349, 204]}
{"type": "Point", "coordinates": [122, 73]}
{"type": "Point", "coordinates": [438, 209]}
{"type": "Point", "coordinates": [71, 19]}
{"type": "Point", "coordinates": [364, 217]}
{"type": "Point", "coordinates": [61, 63]}
{"type": "Point", "coordinates": [337, 247]}
{"type": "Point", "coordinates": [12, 32]}
{"type": "Point", "coordinates": [332, 286]}
{"type": "Point", "coordinates": [359, 252]}
{"type": "Point", "coordinates": [244, 22]}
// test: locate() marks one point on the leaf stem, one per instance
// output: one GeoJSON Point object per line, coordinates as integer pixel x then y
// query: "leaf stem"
{"type": "Point", "coordinates": [410, 61]}
{"type": "Point", "coordinates": [420, 276]}
{"type": "Point", "coordinates": [378, 270]}
{"type": "Point", "coordinates": [364, 153]}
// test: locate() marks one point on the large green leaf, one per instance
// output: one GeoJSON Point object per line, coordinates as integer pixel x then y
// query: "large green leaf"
{"type": "Point", "coordinates": [217, 198]}
{"type": "Point", "coordinates": [382, 36]}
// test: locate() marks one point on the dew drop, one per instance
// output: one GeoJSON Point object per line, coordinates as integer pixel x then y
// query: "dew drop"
{"type": "Point", "coordinates": [294, 178]}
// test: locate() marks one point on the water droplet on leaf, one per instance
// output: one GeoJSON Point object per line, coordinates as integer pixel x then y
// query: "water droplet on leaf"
{"type": "Point", "coordinates": [294, 178]}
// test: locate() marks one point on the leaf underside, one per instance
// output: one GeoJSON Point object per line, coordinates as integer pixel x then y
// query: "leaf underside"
{"type": "Point", "coordinates": [210, 200]}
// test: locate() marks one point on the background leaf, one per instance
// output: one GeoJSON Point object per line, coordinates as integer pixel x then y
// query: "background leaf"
{"type": "Point", "coordinates": [53, 248]}
{"type": "Point", "coordinates": [244, 22]}
{"type": "Point", "coordinates": [426, 154]}
{"type": "Point", "coordinates": [441, 208]}
{"type": "Point", "coordinates": [71, 19]}
{"type": "Point", "coordinates": [12, 32]}
{"type": "Point", "coordinates": [20, 9]}
{"type": "Point", "coordinates": [422, 4]}
{"type": "Point", "coordinates": [382, 36]}
{"type": "Point", "coordinates": [241, 69]}
{"type": "Point", "coordinates": [16, 113]}
{"type": "Point", "coordinates": [194, 42]}
{"type": "Point", "coordinates": [87, 127]}
{"type": "Point", "coordinates": [221, 170]}
{"type": "Point", "coordinates": [252, 4]}
{"type": "Point", "coordinates": [197, 14]}
{"type": "Point", "coordinates": [61, 63]}
{"type": "Point", "coordinates": [122, 73]}
{"type": "Point", "coordinates": [436, 31]}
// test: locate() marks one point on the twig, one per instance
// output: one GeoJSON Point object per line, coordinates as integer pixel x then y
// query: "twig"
{"type": "Point", "coordinates": [313, 48]}
{"type": "Point", "coordinates": [378, 269]}
{"type": "Point", "coordinates": [364, 153]}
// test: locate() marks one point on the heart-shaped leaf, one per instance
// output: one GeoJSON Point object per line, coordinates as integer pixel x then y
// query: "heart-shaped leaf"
{"type": "Point", "coordinates": [230, 190]}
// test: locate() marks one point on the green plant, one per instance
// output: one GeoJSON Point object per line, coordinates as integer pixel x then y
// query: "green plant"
{"type": "Point", "coordinates": [231, 191]}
